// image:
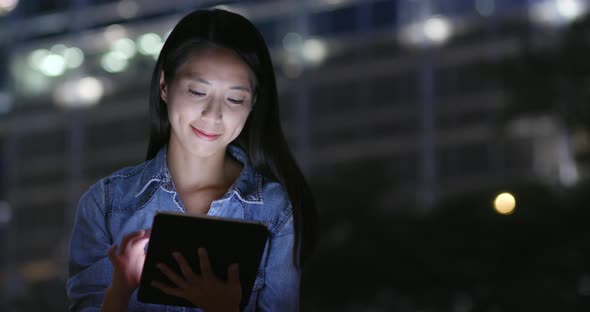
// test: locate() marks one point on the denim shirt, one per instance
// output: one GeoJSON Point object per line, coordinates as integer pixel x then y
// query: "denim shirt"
{"type": "Point", "coordinates": [127, 201]}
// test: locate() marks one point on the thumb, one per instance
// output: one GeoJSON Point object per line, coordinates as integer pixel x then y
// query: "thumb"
{"type": "Point", "coordinates": [233, 273]}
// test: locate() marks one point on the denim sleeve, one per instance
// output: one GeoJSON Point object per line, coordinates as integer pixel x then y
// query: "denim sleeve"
{"type": "Point", "coordinates": [281, 277]}
{"type": "Point", "coordinates": [90, 270]}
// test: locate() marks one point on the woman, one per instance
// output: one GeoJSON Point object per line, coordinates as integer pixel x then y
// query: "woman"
{"type": "Point", "coordinates": [216, 147]}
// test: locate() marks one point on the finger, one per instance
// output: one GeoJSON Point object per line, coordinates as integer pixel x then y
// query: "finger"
{"type": "Point", "coordinates": [185, 268]}
{"type": "Point", "coordinates": [172, 276]}
{"type": "Point", "coordinates": [145, 237]}
{"type": "Point", "coordinates": [167, 289]}
{"type": "Point", "coordinates": [204, 263]}
{"type": "Point", "coordinates": [138, 244]}
{"type": "Point", "coordinates": [233, 274]}
{"type": "Point", "coordinates": [141, 235]}
{"type": "Point", "coordinates": [145, 233]}
{"type": "Point", "coordinates": [128, 239]}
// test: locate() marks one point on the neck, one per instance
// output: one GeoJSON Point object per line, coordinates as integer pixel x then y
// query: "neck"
{"type": "Point", "coordinates": [190, 172]}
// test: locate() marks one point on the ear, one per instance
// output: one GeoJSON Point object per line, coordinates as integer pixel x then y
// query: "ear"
{"type": "Point", "coordinates": [163, 87]}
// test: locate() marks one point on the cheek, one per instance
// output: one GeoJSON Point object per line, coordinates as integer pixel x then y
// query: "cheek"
{"type": "Point", "coordinates": [237, 121]}
{"type": "Point", "coordinates": [175, 115]}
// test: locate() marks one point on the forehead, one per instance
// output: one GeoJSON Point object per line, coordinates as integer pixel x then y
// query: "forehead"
{"type": "Point", "coordinates": [217, 64]}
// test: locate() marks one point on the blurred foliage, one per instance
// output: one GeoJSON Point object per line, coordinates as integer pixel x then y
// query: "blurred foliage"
{"type": "Point", "coordinates": [460, 256]}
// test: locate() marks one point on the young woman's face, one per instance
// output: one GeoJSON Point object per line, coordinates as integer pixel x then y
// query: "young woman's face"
{"type": "Point", "coordinates": [208, 101]}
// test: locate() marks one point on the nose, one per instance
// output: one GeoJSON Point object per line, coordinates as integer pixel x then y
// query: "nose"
{"type": "Point", "coordinates": [212, 111]}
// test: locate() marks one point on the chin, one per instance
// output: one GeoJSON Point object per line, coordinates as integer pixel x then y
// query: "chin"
{"type": "Point", "coordinates": [207, 149]}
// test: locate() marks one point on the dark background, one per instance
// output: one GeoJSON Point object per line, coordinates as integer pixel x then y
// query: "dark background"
{"type": "Point", "coordinates": [409, 117]}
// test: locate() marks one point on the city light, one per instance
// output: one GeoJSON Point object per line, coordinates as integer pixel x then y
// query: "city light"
{"type": "Point", "coordinates": [56, 61]}
{"type": "Point", "coordinates": [314, 51]}
{"type": "Point", "coordinates": [29, 81]}
{"type": "Point", "coordinates": [58, 48]}
{"type": "Point", "coordinates": [36, 58]}
{"type": "Point", "coordinates": [52, 65]}
{"type": "Point", "coordinates": [557, 12]}
{"type": "Point", "coordinates": [125, 46]}
{"type": "Point", "coordinates": [569, 9]}
{"type": "Point", "coordinates": [114, 62]}
{"type": "Point", "coordinates": [6, 6]}
{"type": "Point", "coordinates": [90, 90]}
{"type": "Point", "coordinates": [84, 92]}
{"type": "Point", "coordinates": [437, 29]}
{"type": "Point", "coordinates": [114, 32]}
{"type": "Point", "coordinates": [149, 44]}
{"type": "Point", "coordinates": [432, 31]}
{"type": "Point", "coordinates": [505, 203]}
{"type": "Point", "coordinates": [74, 57]}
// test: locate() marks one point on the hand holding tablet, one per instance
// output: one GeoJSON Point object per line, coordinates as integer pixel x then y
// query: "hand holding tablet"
{"type": "Point", "coordinates": [205, 289]}
{"type": "Point", "coordinates": [201, 260]}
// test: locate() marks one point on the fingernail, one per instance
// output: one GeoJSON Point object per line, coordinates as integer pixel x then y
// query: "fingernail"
{"type": "Point", "coordinates": [175, 254]}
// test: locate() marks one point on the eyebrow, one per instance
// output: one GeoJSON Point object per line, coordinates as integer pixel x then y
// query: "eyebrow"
{"type": "Point", "coordinates": [197, 77]}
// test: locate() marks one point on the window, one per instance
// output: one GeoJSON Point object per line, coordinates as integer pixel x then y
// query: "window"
{"type": "Point", "coordinates": [51, 142]}
{"type": "Point", "coordinates": [383, 13]}
{"type": "Point", "coordinates": [121, 131]}
{"type": "Point", "coordinates": [394, 90]}
{"type": "Point", "coordinates": [334, 98]}
{"type": "Point", "coordinates": [339, 21]}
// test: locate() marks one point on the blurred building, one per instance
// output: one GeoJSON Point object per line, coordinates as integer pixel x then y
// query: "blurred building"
{"type": "Point", "coordinates": [406, 86]}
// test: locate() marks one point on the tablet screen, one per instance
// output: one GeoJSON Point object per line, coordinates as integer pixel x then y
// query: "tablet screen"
{"type": "Point", "coordinates": [226, 240]}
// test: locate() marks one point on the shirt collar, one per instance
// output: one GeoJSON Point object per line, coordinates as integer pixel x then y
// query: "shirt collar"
{"type": "Point", "coordinates": [247, 188]}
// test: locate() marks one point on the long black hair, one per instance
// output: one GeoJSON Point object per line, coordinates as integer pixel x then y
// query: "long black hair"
{"type": "Point", "coordinates": [262, 137]}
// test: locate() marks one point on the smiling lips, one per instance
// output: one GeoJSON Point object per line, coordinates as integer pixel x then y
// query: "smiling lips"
{"type": "Point", "coordinates": [204, 135]}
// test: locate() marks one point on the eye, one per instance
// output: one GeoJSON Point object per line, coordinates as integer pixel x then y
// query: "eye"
{"type": "Point", "coordinates": [197, 93]}
{"type": "Point", "coordinates": [235, 101]}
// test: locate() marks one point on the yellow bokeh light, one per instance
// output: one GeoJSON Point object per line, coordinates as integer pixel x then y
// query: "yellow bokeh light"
{"type": "Point", "coordinates": [505, 203]}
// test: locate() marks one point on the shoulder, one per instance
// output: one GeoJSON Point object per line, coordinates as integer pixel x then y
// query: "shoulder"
{"type": "Point", "coordinates": [277, 206]}
{"type": "Point", "coordinates": [122, 183]}
{"type": "Point", "coordinates": [127, 177]}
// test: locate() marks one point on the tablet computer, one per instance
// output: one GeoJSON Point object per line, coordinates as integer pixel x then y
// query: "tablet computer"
{"type": "Point", "coordinates": [226, 240]}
